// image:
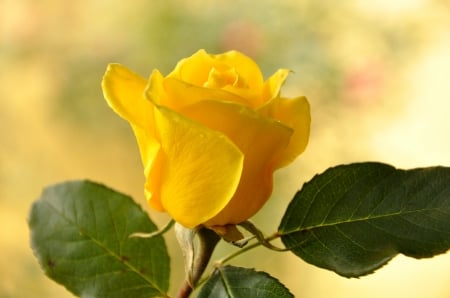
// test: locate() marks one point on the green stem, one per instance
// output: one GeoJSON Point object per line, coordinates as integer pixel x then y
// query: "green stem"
{"type": "Point", "coordinates": [250, 227]}
{"type": "Point", "coordinates": [245, 249]}
{"type": "Point", "coordinates": [185, 290]}
{"type": "Point", "coordinates": [207, 243]}
{"type": "Point", "coordinates": [233, 255]}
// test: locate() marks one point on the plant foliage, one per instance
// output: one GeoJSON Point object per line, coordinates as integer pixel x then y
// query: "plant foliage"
{"type": "Point", "coordinates": [353, 219]}
{"type": "Point", "coordinates": [80, 234]}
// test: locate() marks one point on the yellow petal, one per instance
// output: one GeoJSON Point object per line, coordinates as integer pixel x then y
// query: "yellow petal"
{"type": "Point", "coordinates": [124, 92]}
{"type": "Point", "coordinates": [179, 94]}
{"type": "Point", "coordinates": [200, 168]}
{"type": "Point", "coordinates": [244, 66]}
{"type": "Point", "coordinates": [196, 68]}
{"type": "Point", "coordinates": [294, 113]}
{"type": "Point", "coordinates": [155, 89]}
{"type": "Point", "coordinates": [272, 86]}
{"type": "Point", "coordinates": [149, 149]}
{"type": "Point", "coordinates": [259, 138]}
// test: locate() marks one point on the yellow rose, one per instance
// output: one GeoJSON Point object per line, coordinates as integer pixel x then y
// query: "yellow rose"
{"type": "Point", "coordinates": [210, 134]}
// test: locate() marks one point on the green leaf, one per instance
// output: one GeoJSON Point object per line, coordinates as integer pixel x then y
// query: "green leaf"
{"type": "Point", "coordinates": [236, 282]}
{"type": "Point", "coordinates": [80, 235]}
{"type": "Point", "coordinates": [353, 219]}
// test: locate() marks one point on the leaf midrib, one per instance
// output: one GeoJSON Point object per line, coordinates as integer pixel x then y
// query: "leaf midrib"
{"type": "Point", "coordinates": [225, 282]}
{"type": "Point", "coordinates": [351, 220]}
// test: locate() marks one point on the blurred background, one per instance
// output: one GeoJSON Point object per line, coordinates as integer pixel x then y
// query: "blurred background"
{"type": "Point", "coordinates": [376, 74]}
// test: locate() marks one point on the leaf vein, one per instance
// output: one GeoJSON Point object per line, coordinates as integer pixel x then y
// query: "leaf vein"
{"type": "Point", "coordinates": [101, 245]}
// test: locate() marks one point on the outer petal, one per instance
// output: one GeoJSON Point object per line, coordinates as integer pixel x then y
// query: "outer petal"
{"type": "Point", "coordinates": [294, 113]}
{"type": "Point", "coordinates": [154, 91]}
{"type": "Point", "coordinates": [150, 151]}
{"type": "Point", "coordinates": [179, 94]}
{"type": "Point", "coordinates": [201, 168]}
{"type": "Point", "coordinates": [272, 85]}
{"type": "Point", "coordinates": [259, 138]}
{"type": "Point", "coordinates": [124, 92]}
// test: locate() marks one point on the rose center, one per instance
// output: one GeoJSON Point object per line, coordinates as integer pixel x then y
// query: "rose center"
{"type": "Point", "coordinates": [221, 79]}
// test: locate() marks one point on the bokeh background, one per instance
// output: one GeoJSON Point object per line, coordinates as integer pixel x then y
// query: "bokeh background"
{"type": "Point", "coordinates": [376, 74]}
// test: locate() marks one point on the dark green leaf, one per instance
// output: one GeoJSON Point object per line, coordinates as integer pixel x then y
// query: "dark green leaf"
{"type": "Point", "coordinates": [79, 233]}
{"type": "Point", "coordinates": [353, 219]}
{"type": "Point", "coordinates": [229, 281]}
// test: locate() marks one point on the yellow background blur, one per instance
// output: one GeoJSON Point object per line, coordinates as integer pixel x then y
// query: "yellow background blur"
{"type": "Point", "coordinates": [376, 73]}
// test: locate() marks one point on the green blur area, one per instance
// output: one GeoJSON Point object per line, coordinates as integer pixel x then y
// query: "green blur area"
{"type": "Point", "coordinates": [376, 74]}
